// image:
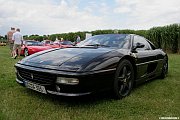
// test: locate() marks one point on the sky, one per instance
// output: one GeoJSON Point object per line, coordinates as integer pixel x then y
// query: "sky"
{"type": "Point", "coordinates": [45, 17]}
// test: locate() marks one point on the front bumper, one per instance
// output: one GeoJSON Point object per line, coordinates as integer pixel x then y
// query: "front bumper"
{"type": "Point", "coordinates": [57, 93]}
{"type": "Point", "coordinates": [89, 82]}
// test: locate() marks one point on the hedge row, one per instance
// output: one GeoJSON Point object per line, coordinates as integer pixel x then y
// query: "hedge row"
{"type": "Point", "coordinates": [166, 37]}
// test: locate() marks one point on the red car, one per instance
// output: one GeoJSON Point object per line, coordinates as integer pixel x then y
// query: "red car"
{"type": "Point", "coordinates": [47, 42]}
{"type": "Point", "coordinates": [50, 43]}
{"type": "Point", "coordinates": [30, 47]}
{"type": "Point", "coordinates": [63, 44]}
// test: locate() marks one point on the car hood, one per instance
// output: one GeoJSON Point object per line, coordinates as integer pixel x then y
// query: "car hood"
{"type": "Point", "coordinates": [39, 47]}
{"type": "Point", "coordinates": [70, 59]}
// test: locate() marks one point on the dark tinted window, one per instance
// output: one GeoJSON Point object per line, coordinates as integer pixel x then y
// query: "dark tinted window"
{"type": "Point", "coordinates": [33, 43]}
{"type": "Point", "coordinates": [108, 40]}
{"type": "Point", "coordinates": [139, 39]}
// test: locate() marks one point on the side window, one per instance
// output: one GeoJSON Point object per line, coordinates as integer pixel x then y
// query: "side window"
{"type": "Point", "coordinates": [152, 45]}
{"type": "Point", "coordinates": [139, 39]}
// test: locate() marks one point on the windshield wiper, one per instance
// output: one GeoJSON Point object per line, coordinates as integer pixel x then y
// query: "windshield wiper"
{"type": "Point", "coordinates": [98, 45]}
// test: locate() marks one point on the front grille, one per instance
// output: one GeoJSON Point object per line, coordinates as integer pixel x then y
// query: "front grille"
{"type": "Point", "coordinates": [35, 76]}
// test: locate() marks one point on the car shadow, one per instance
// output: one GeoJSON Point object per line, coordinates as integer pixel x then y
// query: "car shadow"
{"type": "Point", "coordinates": [92, 99]}
{"type": "Point", "coordinates": [149, 82]}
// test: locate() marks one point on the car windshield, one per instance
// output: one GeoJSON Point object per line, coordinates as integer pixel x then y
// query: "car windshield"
{"type": "Point", "coordinates": [66, 43]}
{"type": "Point", "coordinates": [108, 40]}
{"type": "Point", "coordinates": [48, 42]}
{"type": "Point", "coordinates": [33, 43]}
{"type": "Point", "coordinates": [56, 42]}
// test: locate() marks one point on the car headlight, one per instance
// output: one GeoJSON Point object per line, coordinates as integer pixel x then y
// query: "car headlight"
{"type": "Point", "coordinates": [70, 81]}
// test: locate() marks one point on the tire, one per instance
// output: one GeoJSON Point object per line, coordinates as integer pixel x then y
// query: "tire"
{"type": "Point", "coordinates": [124, 79]}
{"type": "Point", "coordinates": [164, 68]}
{"type": "Point", "coordinates": [26, 52]}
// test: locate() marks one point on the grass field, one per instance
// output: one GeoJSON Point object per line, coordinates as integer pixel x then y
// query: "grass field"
{"type": "Point", "coordinates": [157, 98]}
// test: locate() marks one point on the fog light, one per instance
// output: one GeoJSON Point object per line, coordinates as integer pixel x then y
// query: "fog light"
{"type": "Point", "coordinates": [70, 81]}
{"type": "Point", "coordinates": [58, 88]}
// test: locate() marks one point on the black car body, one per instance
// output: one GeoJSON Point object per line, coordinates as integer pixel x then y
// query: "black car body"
{"type": "Point", "coordinates": [102, 62]}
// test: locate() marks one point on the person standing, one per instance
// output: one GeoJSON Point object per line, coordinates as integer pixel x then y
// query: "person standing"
{"type": "Point", "coordinates": [18, 40]}
{"type": "Point", "coordinates": [62, 39]}
{"type": "Point", "coordinates": [78, 39]}
{"type": "Point", "coordinates": [10, 41]}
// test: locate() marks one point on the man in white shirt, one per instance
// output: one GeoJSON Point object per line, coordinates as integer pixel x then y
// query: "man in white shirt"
{"type": "Point", "coordinates": [17, 38]}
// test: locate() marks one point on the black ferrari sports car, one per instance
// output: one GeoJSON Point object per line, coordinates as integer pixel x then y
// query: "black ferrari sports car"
{"type": "Point", "coordinates": [103, 62]}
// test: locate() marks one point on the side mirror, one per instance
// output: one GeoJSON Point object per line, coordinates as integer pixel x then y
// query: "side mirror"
{"type": "Point", "coordinates": [138, 45]}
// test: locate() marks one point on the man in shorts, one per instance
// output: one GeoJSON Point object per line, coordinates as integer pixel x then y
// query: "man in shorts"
{"type": "Point", "coordinates": [10, 41]}
{"type": "Point", "coordinates": [18, 40]}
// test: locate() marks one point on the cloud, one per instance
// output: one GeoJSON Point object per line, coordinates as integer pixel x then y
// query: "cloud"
{"type": "Point", "coordinates": [146, 14]}
{"type": "Point", "coordinates": [46, 17]}
{"type": "Point", "coordinates": [60, 16]}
